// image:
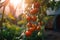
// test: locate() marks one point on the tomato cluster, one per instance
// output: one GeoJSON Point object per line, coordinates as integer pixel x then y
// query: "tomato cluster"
{"type": "Point", "coordinates": [31, 25]}
{"type": "Point", "coordinates": [32, 29]}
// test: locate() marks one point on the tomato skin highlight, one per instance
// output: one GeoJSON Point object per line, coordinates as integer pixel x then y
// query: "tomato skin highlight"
{"type": "Point", "coordinates": [38, 28]}
{"type": "Point", "coordinates": [28, 33]}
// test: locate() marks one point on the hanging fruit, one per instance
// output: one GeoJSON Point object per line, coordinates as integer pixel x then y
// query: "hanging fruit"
{"type": "Point", "coordinates": [34, 11]}
{"type": "Point", "coordinates": [29, 24]}
{"type": "Point", "coordinates": [34, 25]}
{"type": "Point", "coordinates": [36, 4]}
{"type": "Point", "coordinates": [31, 29]}
{"type": "Point", "coordinates": [34, 18]}
{"type": "Point", "coordinates": [28, 18]}
{"type": "Point", "coordinates": [28, 33]}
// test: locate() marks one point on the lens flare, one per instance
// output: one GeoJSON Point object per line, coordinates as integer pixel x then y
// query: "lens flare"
{"type": "Point", "coordinates": [19, 5]}
{"type": "Point", "coordinates": [15, 2]}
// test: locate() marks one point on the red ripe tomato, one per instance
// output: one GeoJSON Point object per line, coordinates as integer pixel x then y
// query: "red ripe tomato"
{"type": "Point", "coordinates": [34, 26]}
{"type": "Point", "coordinates": [29, 24]}
{"type": "Point", "coordinates": [36, 5]}
{"type": "Point", "coordinates": [28, 33]}
{"type": "Point", "coordinates": [28, 18]}
{"type": "Point", "coordinates": [34, 18]}
{"type": "Point", "coordinates": [34, 11]}
{"type": "Point", "coordinates": [31, 29]}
